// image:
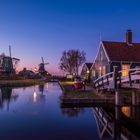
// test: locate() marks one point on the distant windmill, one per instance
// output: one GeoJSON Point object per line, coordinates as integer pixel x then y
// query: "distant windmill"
{"type": "Point", "coordinates": [9, 63]}
{"type": "Point", "coordinates": [42, 67]}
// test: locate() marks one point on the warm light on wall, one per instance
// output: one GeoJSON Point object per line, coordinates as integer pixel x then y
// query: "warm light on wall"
{"type": "Point", "coordinates": [88, 71]}
{"type": "Point", "coordinates": [125, 67]}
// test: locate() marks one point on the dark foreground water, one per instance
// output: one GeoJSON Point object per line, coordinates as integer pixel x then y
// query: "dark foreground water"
{"type": "Point", "coordinates": [34, 113]}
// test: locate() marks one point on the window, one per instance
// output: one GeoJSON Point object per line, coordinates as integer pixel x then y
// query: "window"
{"type": "Point", "coordinates": [94, 73]}
{"type": "Point", "coordinates": [100, 71]}
{"type": "Point", "coordinates": [104, 70]}
{"type": "Point", "coordinates": [125, 67]}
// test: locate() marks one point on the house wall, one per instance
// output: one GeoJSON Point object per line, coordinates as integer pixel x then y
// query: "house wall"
{"type": "Point", "coordinates": [101, 65]}
{"type": "Point", "coordinates": [84, 73]}
{"type": "Point", "coordinates": [133, 65]}
{"type": "Point", "coordinates": [112, 64]}
{"type": "Point", "coordinates": [84, 70]}
{"type": "Point", "coordinates": [119, 65]}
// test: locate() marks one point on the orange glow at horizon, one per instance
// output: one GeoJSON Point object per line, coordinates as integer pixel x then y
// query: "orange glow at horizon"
{"type": "Point", "coordinates": [52, 69]}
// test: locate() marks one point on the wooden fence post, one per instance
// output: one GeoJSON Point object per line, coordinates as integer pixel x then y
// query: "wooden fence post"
{"type": "Point", "coordinates": [115, 74]}
{"type": "Point", "coordinates": [107, 80]}
{"type": "Point", "coordinates": [130, 82]}
{"type": "Point", "coordinates": [103, 82]}
{"type": "Point", "coordinates": [120, 81]}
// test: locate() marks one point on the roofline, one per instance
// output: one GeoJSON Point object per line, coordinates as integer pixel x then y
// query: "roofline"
{"type": "Point", "coordinates": [97, 52]}
{"type": "Point", "coordinates": [101, 44]}
{"type": "Point", "coordinates": [87, 66]}
{"type": "Point", "coordinates": [105, 51]}
{"type": "Point", "coordinates": [92, 65]}
{"type": "Point", "coordinates": [125, 61]}
{"type": "Point", "coordinates": [83, 66]}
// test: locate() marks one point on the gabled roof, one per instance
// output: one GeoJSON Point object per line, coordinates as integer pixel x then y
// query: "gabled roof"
{"type": "Point", "coordinates": [120, 51]}
{"type": "Point", "coordinates": [88, 65]}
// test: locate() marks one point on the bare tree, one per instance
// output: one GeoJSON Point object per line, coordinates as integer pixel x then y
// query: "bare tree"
{"type": "Point", "coordinates": [71, 60]}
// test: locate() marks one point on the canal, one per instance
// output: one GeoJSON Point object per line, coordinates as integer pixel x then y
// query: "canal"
{"type": "Point", "coordinates": [34, 113]}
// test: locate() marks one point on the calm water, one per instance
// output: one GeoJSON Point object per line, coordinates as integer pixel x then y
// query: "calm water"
{"type": "Point", "coordinates": [34, 113]}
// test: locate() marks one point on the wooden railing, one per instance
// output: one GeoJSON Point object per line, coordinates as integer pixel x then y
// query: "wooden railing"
{"type": "Point", "coordinates": [115, 79]}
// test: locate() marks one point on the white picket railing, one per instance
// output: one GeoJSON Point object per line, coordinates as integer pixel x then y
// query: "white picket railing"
{"type": "Point", "coordinates": [107, 80]}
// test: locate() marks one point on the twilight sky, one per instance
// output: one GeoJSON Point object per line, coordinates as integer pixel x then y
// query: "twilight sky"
{"type": "Point", "coordinates": [36, 28]}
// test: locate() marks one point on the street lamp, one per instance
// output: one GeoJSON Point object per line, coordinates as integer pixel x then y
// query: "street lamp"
{"type": "Point", "coordinates": [87, 71]}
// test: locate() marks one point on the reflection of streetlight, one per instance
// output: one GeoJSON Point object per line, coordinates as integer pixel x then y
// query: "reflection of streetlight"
{"type": "Point", "coordinates": [47, 86]}
{"type": "Point", "coordinates": [34, 95]}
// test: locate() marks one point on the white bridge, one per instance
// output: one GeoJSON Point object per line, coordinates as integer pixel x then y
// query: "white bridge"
{"type": "Point", "coordinates": [115, 80]}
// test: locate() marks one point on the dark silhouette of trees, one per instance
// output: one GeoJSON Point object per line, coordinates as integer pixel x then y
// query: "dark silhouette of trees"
{"type": "Point", "coordinates": [71, 60]}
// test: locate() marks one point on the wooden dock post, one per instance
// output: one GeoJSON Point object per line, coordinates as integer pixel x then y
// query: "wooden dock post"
{"type": "Point", "coordinates": [118, 112]}
{"type": "Point", "coordinates": [115, 74]}
{"type": "Point", "coordinates": [134, 98]}
{"type": "Point", "coordinates": [118, 98]}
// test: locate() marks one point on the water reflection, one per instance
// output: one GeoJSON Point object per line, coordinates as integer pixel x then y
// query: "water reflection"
{"type": "Point", "coordinates": [121, 122]}
{"type": "Point", "coordinates": [42, 93]}
{"type": "Point", "coordinates": [72, 112]}
{"type": "Point", "coordinates": [39, 93]}
{"type": "Point", "coordinates": [34, 96]}
{"type": "Point", "coordinates": [41, 88]}
{"type": "Point", "coordinates": [6, 96]}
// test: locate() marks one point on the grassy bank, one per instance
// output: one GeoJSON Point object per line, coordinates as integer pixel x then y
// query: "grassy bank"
{"type": "Point", "coordinates": [20, 83]}
{"type": "Point", "coordinates": [70, 93]}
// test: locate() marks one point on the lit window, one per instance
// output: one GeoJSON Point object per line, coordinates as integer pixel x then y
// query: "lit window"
{"type": "Point", "coordinates": [125, 68]}
{"type": "Point", "coordinates": [104, 70]}
{"type": "Point", "coordinates": [100, 71]}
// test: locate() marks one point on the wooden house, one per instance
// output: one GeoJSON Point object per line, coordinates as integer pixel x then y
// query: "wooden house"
{"type": "Point", "coordinates": [124, 55]}
{"type": "Point", "coordinates": [86, 71]}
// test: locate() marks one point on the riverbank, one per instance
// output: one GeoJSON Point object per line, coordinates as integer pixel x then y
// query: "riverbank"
{"type": "Point", "coordinates": [21, 83]}
{"type": "Point", "coordinates": [70, 93]}
{"type": "Point", "coordinates": [81, 96]}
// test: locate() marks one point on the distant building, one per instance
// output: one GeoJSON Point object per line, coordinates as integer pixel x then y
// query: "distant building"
{"type": "Point", "coordinates": [124, 55]}
{"type": "Point", "coordinates": [86, 71]}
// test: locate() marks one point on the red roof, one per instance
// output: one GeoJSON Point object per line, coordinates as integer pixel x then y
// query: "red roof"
{"type": "Point", "coordinates": [120, 51]}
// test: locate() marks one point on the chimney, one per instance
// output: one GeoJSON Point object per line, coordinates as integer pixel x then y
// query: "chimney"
{"type": "Point", "coordinates": [129, 37]}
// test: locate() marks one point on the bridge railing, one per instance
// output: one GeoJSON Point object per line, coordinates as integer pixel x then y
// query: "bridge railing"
{"type": "Point", "coordinates": [117, 78]}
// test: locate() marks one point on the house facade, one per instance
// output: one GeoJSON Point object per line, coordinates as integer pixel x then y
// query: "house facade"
{"type": "Point", "coordinates": [124, 55]}
{"type": "Point", "coordinates": [86, 71]}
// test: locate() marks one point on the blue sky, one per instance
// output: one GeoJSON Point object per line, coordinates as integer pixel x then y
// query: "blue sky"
{"type": "Point", "coordinates": [36, 28]}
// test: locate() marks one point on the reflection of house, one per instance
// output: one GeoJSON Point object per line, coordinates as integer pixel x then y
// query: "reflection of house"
{"type": "Point", "coordinates": [118, 123]}
{"type": "Point", "coordinates": [124, 55]}
{"type": "Point", "coordinates": [85, 73]}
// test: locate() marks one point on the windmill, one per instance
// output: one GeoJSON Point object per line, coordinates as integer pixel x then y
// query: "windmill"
{"type": "Point", "coordinates": [42, 70]}
{"type": "Point", "coordinates": [9, 63]}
